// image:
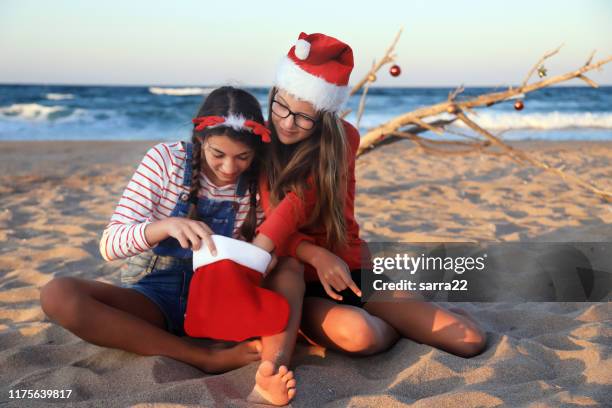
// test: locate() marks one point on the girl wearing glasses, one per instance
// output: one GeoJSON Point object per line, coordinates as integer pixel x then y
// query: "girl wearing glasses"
{"type": "Point", "coordinates": [310, 186]}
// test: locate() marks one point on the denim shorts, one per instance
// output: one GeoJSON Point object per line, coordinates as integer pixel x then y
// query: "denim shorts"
{"type": "Point", "coordinates": [165, 281]}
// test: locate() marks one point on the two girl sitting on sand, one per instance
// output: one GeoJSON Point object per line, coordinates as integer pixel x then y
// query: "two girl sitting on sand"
{"type": "Point", "coordinates": [224, 182]}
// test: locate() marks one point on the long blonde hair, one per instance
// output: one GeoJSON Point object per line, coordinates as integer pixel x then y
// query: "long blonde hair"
{"type": "Point", "coordinates": [322, 156]}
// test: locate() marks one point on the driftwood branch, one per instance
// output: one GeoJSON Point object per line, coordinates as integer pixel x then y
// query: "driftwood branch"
{"type": "Point", "coordinates": [525, 158]}
{"type": "Point", "coordinates": [458, 147]}
{"type": "Point", "coordinates": [590, 58]}
{"type": "Point", "coordinates": [363, 98]}
{"type": "Point", "coordinates": [539, 63]}
{"type": "Point", "coordinates": [388, 57]}
{"type": "Point", "coordinates": [370, 76]}
{"type": "Point", "coordinates": [453, 95]}
{"type": "Point", "coordinates": [396, 128]}
{"type": "Point", "coordinates": [589, 81]}
{"type": "Point", "coordinates": [375, 136]}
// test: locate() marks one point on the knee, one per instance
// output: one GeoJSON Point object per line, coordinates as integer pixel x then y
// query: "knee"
{"type": "Point", "coordinates": [57, 298]}
{"type": "Point", "coordinates": [358, 336]}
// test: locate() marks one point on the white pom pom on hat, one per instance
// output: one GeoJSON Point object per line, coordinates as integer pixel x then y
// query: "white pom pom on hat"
{"type": "Point", "coordinates": [302, 49]}
{"type": "Point", "coordinates": [317, 70]}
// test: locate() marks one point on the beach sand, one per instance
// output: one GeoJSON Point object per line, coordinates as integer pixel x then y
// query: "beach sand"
{"type": "Point", "coordinates": [58, 196]}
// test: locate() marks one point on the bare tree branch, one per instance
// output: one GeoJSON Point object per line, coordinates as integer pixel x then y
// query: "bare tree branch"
{"type": "Point", "coordinates": [588, 81]}
{"type": "Point", "coordinates": [381, 132]}
{"type": "Point", "coordinates": [528, 159]}
{"type": "Point", "coordinates": [539, 63]}
{"type": "Point", "coordinates": [388, 57]}
{"type": "Point", "coordinates": [590, 58]}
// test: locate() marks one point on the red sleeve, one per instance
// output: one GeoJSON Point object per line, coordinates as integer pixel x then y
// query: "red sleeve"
{"type": "Point", "coordinates": [286, 218]}
{"type": "Point", "coordinates": [293, 242]}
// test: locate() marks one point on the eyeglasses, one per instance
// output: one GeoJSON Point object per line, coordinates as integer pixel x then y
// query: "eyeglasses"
{"type": "Point", "coordinates": [302, 121]}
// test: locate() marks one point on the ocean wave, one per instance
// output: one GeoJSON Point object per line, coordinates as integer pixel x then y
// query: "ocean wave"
{"type": "Point", "coordinates": [59, 96]}
{"type": "Point", "coordinates": [543, 121]}
{"type": "Point", "coordinates": [31, 111]}
{"type": "Point", "coordinates": [180, 91]}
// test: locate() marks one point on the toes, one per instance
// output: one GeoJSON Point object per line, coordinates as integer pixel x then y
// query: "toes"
{"type": "Point", "coordinates": [282, 370]}
{"type": "Point", "coordinates": [288, 376]}
{"type": "Point", "coordinates": [266, 368]}
{"type": "Point", "coordinates": [291, 393]}
{"type": "Point", "coordinates": [291, 384]}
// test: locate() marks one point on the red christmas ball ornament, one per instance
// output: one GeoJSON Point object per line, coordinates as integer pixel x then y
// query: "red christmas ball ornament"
{"type": "Point", "coordinates": [519, 105]}
{"type": "Point", "coordinates": [395, 70]}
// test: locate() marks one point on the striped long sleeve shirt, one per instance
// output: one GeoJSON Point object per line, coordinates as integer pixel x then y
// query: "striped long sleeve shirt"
{"type": "Point", "coordinates": [153, 193]}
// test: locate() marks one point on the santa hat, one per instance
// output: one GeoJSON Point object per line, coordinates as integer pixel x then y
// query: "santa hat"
{"type": "Point", "coordinates": [225, 301]}
{"type": "Point", "coordinates": [317, 69]}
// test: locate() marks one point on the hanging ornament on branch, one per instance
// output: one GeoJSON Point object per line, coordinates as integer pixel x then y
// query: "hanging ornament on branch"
{"type": "Point", "coordinates": [391, 130]}
{"type": "Point", "coordinates": [519, 105]}
{"type": "Point", "coordinates": [395, 70]}
{"type": "Point", "coordinates": [389, 57]}
{"type": "Point", "coordinates": [542, 71]}
{"type": "Point", "coordinates": [370, 77]}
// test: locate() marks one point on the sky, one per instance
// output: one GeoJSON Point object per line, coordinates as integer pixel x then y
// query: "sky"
{"type": "Point", "coordinates": [444, 43]}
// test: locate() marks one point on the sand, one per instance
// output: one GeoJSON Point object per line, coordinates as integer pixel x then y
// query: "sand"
{"type": "Point", "coordinates": [57, 197]}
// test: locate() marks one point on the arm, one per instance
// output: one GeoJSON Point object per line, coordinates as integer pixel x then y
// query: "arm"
{"type": "Point", "coordinates": [125, 234]}
{"type": "Point", "coordinates": [285, 219]}
{"type": "Point", "coordinates": [133, 228]}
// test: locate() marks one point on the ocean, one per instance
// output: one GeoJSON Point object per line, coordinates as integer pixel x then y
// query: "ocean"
{"type": "Point", "coordinates": [62, 112]}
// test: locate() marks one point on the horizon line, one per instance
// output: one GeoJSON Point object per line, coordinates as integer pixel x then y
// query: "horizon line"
{"type": "Point", "coordinates": [268, 86]}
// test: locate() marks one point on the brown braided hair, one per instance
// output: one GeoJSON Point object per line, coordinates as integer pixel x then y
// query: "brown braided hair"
{"type": "Point", "coordinates": [225, 101]}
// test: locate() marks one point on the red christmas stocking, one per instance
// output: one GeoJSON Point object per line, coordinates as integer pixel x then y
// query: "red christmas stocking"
{"type": "Point", "coordinates": [225, 301]}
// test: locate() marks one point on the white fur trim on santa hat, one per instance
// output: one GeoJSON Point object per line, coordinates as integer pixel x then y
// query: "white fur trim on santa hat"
{"type": "Point", "coordinates": [307, 87]}
{"type": "Point", "coordinates": [302, 49]}
{"type": "Point", "coordinates": [241, 252]}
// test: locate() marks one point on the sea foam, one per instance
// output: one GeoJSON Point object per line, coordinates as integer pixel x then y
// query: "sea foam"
{"type": "Point", "coordinates": [179, 91]}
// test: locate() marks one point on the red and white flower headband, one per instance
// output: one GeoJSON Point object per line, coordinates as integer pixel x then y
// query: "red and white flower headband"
{"type": "Point", "coordinates": [236, 122]}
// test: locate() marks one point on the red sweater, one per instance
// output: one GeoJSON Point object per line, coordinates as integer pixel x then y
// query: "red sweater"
{"type": "Point", "coordinates": [282, 223]}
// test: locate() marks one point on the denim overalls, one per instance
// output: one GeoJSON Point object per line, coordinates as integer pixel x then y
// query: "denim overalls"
{"type": "Point", "coordinates": [164, 273]}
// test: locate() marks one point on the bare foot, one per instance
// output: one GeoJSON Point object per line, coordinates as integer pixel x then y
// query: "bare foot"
{"type": "Point", "coordinates": [270, 388]}
{"type": "Point", "coordinates": [216, 360]}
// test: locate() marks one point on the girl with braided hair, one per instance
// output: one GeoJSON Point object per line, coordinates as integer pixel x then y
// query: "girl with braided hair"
{"type": "Point", "coordinates": [180, 194]}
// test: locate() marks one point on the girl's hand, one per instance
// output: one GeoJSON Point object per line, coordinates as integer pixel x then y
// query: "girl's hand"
{"type": "Point", "coordinates": [189, 233]}
{"type": "Point", "coordinates": [334, 274]}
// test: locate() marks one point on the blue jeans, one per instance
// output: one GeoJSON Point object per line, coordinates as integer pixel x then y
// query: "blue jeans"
{"type": "Point", "coordinates": [165, 281]}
